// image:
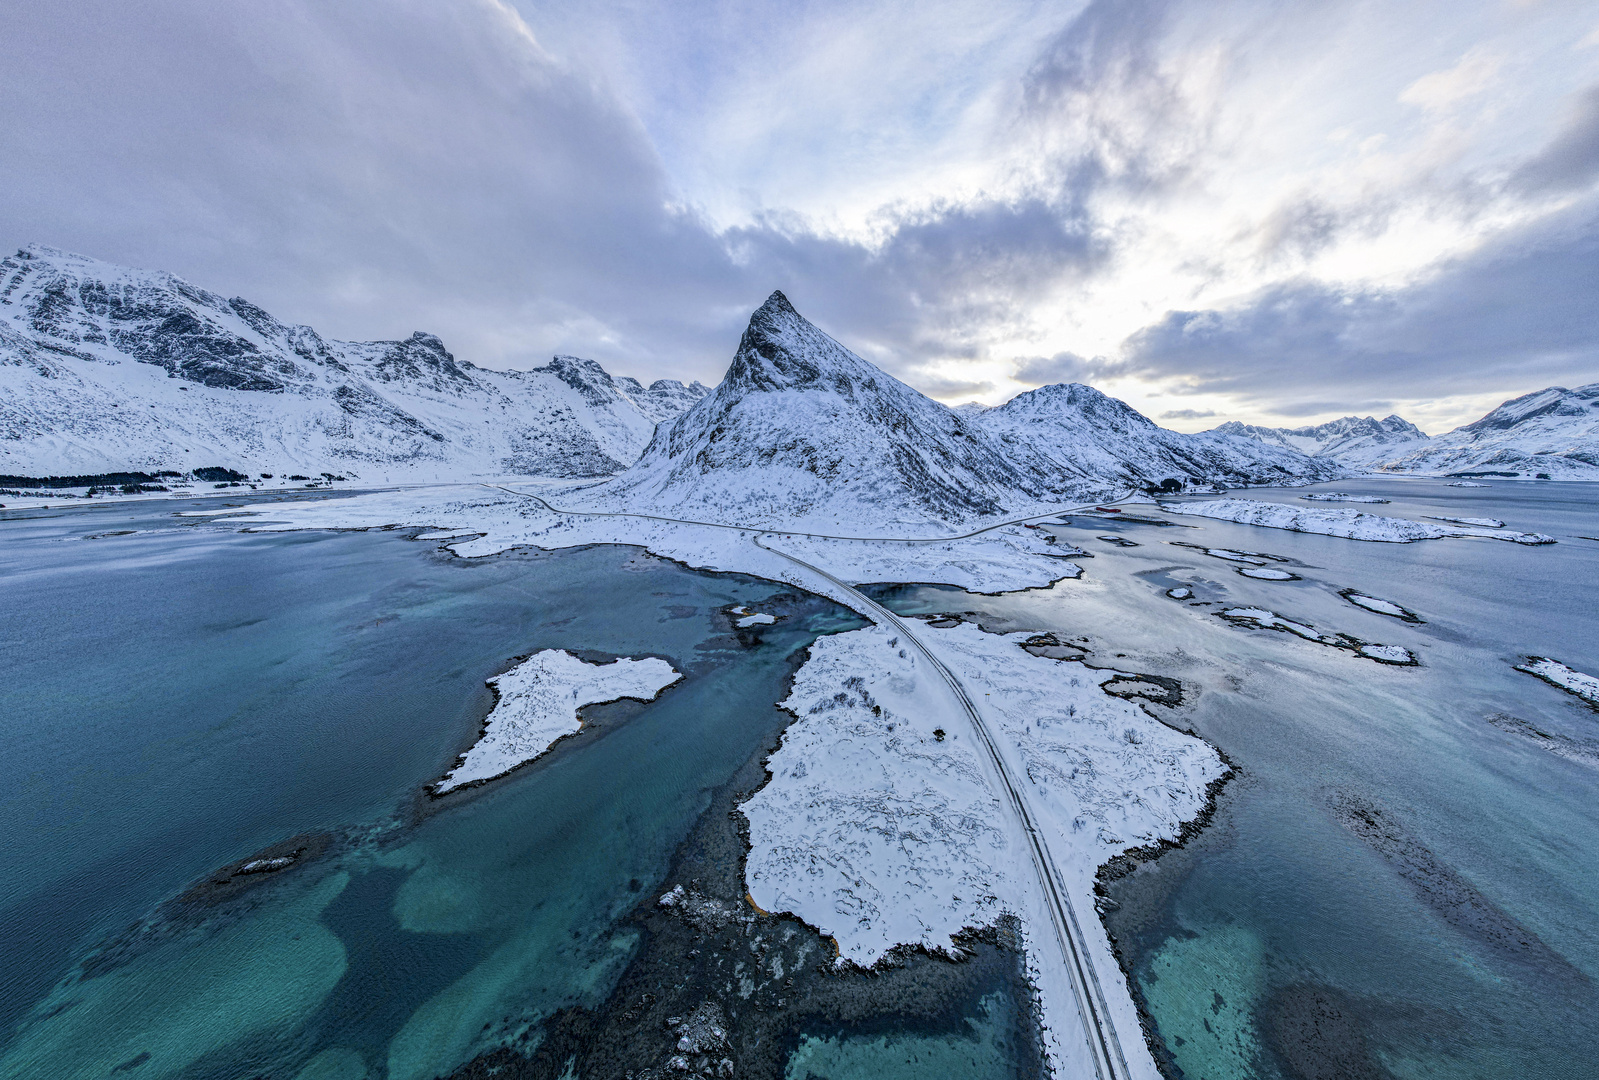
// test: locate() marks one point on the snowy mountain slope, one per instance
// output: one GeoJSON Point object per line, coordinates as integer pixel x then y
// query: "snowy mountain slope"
{"type": "Point", "coordinates": [1356, 441]}
{"type": "Point", "coordinates": [802, 432]}
{"type": "Point", "coordinates": [1092, 435]}
{"type": "Point", "coordinates": [106, 368]}
{"type": "Point", "coordinates": [1553, 432]}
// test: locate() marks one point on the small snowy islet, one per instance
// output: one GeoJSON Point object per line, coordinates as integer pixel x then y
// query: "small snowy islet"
{"type": "Point", "coordinates": [1379, 605]}
{"type": "Point", "coordinates": [1266, 573]}
{"type": "Point", "coordinates": [1479, 522]}
{"type": "Point", "coordinates": [538, 703]}
{"type": "Point", "coordinates": [1262, 619]}
{"type": "Point", "coordinates": [745, 618]}
{"type": "Point", "coordinates": [1349, 524]}
{"type": "Point", "coordinates": [1577, 683]}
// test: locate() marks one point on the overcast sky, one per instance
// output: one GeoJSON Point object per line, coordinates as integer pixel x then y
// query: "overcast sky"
{"type": "Point", "coordinates": [1215, 209]}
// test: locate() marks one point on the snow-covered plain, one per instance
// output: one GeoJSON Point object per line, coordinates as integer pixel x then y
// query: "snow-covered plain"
{"type": "Point", "coordinates": [1349, 524]}
{"type": "Point", "coordinates": [1572, 681]}
{"type": "Point", "coordinates": [538, 703]}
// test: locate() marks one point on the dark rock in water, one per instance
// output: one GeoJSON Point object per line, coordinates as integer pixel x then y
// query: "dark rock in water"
{"type": "Point", "coordinates": [220, 894]}
{"type": "Point", "coordinates": [1316, 1034]}
{"type": "Point", "coordinates": [719, 988]}
{"type": "Point", "coordinates": [1157, 688]}
{"type": "Point", "coordinates": [235, 877]}
{"type": "Point", "coordinates": [1454, 898]}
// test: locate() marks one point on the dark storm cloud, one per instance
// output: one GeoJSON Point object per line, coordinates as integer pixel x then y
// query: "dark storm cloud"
{"type": "Point", "coordinates": [377, 169]}
{"type": "Point", "coordinates": [940, 282]}
{"type": "Point", "coordinates": [1571, 160]}
{"type": "Point", "coordinates": [1062, 367]}
{"type": "Point", "coordinates": [1519, 311]}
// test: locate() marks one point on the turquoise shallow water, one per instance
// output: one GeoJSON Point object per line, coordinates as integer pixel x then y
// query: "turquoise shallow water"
{"type": "Point", "coordinates": [1403, 878]}
{"type": "Point", "coordinates": [180, 695]}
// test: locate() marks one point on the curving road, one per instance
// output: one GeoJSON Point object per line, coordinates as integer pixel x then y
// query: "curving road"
{"type": "Point", "coordinates": [1104, 1045]}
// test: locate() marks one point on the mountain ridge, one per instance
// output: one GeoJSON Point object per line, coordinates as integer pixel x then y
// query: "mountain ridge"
{"type": "Point", "coordinates": [108, 368]}
{"type": "Point", "coordinates": [802, 432]}
{"type": "Point", "coordinates": [1551, 433]}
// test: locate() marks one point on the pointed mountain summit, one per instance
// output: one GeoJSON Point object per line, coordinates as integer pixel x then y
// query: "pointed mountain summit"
{"type": "Point", "coordinates": [803, 430]}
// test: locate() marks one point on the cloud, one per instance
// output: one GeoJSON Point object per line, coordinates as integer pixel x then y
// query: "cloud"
{"type": "Point", "coordinates": [1474, 73]}
{"type": "Point", "coordinates": [1517, 313]}
{"type": "Point", "coordinates": [1063, 367]}
{"type": "Point", "coordinates": [1187, 414]}
{"type": "Point", "coordinates": [369, 169]}
{"type": "Point", "coordinates": [1571, 160]}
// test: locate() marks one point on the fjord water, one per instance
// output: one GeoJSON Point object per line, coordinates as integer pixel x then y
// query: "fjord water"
{"type": "Point", "coordinates": [179, 696]}
{"type": "Point", "coordinates": [1457, 937]}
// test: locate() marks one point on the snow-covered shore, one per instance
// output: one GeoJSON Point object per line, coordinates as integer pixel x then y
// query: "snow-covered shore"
{"type": "Point", "coordinates": [881, 827]}
{"type": "Point", "coordinates": [1349, 524]}
{"type": "Point", "coordinates": [538, 703]}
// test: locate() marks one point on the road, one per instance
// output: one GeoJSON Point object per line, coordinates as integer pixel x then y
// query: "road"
{"type": "Point", "coordinates": [1104, 1045]}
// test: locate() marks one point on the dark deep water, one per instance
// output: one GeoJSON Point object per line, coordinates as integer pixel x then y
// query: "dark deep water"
{"type": "Point", "coordinates": [181, 695]}
{"type": "Point", "coordinates": [1403, 878]}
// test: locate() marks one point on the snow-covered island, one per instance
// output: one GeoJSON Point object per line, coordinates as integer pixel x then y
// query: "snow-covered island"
{"type": "Point", "coordinates": [538, 703]}
{"type": "Point", "coordinates": [1576, 683]}
{"type": "Point", "coordinates": [1349, 524]}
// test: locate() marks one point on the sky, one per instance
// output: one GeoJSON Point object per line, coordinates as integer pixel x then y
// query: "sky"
{"type": "Point", "coordinates": [1254, 210]}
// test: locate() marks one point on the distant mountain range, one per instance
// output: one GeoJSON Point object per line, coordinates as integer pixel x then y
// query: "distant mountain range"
{"type": "Point", "coordinates": [1352, 440]}
{"type": "Point", "coordinates": [105, 368]}
{"type": "Point", "coordinates": [1550, 434]}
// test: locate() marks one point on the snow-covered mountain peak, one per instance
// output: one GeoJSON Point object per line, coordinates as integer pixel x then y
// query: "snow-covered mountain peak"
{"type": "Point", "coordinates": [1062, 402]}
{"type": "Point", "coordinates": [1554, 401]}
{"type": "Point", "coordinates": [1090, 435]}
{"type": "Point", "coordinates": [1360, 441]}
{"type": "Point", "coordinates": [782, 350]}
{"type": "Point", "coordinates": [802, 429]}
{"type": "Point", "coordinates": [106, 368]}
